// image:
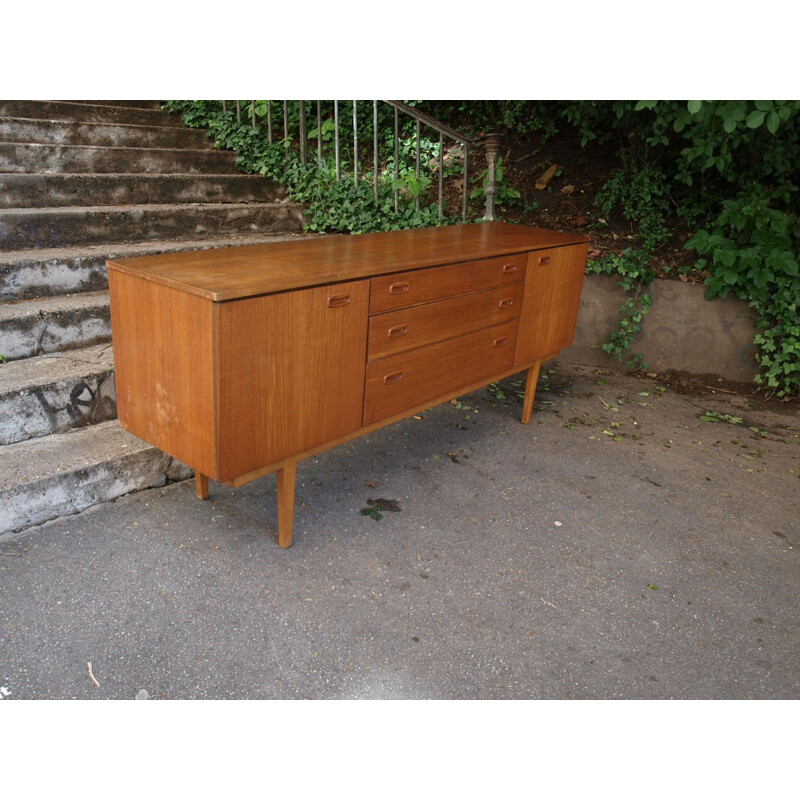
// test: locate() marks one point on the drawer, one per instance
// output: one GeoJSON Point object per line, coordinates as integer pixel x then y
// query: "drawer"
{"type": "Point", "coordinates": [402, 289]}
{"type": "Point", "coordinates": [407, 380]}
{"type": "Point", "coordinates": [407, 328]}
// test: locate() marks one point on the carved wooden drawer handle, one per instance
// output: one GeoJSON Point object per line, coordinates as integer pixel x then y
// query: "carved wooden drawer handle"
{"type": "Point", "coordinates": [399, 330]}
{"type": "Point", "coordinates": [338, 300]}
{"type": "Point", "coordinates": [507, 303]}
{"type": "Point", "coordinates": [501, 341]}
{"type": "Point", "coordinates": [393, 377]}
{"type": "Point", "coordinates": [509, 268]}
{"type": "Point", "coordinates": [398, 288]}
{"type": "Point", "coordinates": [544, 260]}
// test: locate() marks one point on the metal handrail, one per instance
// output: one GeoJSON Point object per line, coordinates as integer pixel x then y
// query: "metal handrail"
{"type": "Point", "coordinates": [431, 122]}
{"type": "Point", "coordinates": [490, 143]}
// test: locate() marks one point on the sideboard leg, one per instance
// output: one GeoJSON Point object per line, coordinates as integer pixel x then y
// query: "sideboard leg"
{"type": "Point", "coordinates": [286, 484]}
{"type": "Point", "coordinates": [201, 485]}
{"type": "Point", "coordinates": [530, 392]}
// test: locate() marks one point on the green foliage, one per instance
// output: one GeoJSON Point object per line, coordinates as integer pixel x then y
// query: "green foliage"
{"type": "Point", "coordinates": [716, 416]}
{"type": "Point", "coordinates": [331, 205]}
{"type": "Point", "coordinates": [751, 250]}
{"type": "Point", "coordinates": [633, 269]}
{"type": "Point", "coordinates": [731, 169]}
{"type": "Point", "coordinates": [506, 195]}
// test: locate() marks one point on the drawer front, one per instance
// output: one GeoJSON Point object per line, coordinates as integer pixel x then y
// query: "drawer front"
{"type": "Point", "coordinates": [404, 381]}
{"type": "Point", "coordinates": [397, 331]}
{"type": "Point", "coordinates": [403, 289]}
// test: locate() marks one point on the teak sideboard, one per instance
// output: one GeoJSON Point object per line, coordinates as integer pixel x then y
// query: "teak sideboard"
{"type": "Point", "coordinates": [241, 361]}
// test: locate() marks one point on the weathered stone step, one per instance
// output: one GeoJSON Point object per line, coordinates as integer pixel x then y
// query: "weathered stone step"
{"type": "Point", "coordinates": [27, 274]}
{"type": "Point", "coordinates": [40, 191]}
{"type": "Point", "coordinates": [51, 324]}
{"type": "Point", "coordinates": [87, 112]}
{"type": "Point", "coordinates": [99, 134]}
{"type": "Point", "coordinates": [53, 393]}
{"type": "Point", "coordinates": [52, 476]}
{"type": "Point", "coordinates": [18, 157]}
{"type": "Point", "coordinates": [122, 103]}
{"type": "Point", "coordinates": [61, 227]}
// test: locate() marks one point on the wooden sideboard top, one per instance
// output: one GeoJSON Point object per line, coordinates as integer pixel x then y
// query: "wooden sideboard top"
{"type": "Point", "coordinates": [235, 272]}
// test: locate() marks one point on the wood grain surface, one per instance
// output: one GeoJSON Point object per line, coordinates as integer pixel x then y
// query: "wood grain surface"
{"type": "Point", "coordinates": [235, 272]}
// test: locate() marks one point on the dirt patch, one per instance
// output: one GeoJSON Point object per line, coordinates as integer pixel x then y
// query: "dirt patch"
{"type": "Point", "coordinates": [568, 201]}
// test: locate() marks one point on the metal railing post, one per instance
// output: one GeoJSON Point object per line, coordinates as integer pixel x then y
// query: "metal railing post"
{"type": "Point", "coordinates": [302, 130]}
{"type": "Point", "coordinates": [355, 143]}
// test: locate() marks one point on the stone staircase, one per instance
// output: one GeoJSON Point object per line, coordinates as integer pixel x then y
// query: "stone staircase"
{"type": "Point", "coordinates": [81, 182]}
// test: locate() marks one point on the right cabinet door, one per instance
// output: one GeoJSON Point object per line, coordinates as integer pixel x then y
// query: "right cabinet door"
{"type": "Point", "coordinates": [553, 284]}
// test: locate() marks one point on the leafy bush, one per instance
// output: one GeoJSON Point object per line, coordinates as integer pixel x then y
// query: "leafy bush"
{"type": "Point", "coordinates": [731, 169]}
{"type": "Point", "coordinates": [751, 251]}
{"type": "Point", "coordinates": [331, 204]}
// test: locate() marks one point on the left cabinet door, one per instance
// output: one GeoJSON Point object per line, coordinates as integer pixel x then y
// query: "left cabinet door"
{"type": "Point", "coordinates": [289, 373]}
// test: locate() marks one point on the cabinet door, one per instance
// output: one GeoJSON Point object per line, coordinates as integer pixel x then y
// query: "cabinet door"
{"type": "Point", "coordinates": [553, 284]}
{"type": "Point", "coordinates": [290, 373]}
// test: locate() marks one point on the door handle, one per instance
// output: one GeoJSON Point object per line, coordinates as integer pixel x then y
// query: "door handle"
{"type": "Point", "coordinates": [398, 330]}
{"type": "Point", "coordinates": [399, 288]}
{"type": "Point", "coordinates": [392, 377]}
{"type": "Point", "coordinates": [338, 300]}
{"type": "Point", "coordinates": [507, 303]}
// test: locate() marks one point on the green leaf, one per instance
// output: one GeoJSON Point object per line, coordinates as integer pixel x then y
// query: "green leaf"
{"type": "Point", "coordinates": [773, 121]}
{"type": "Point", "coordinates": [755, 119]}
{"type": "Point", "coordinates": [694, 106]}
{"type": "Point", "coordinates": [763, 105]}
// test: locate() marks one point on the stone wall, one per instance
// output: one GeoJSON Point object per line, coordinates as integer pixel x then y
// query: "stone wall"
{"type": "Point", "coordinates": [683, 332]}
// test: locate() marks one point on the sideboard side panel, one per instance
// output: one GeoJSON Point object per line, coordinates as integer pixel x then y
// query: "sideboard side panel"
{"type": "Point", "coordinates": [163, 362]}
{"type": "Point", "coordinates": [290, 372]}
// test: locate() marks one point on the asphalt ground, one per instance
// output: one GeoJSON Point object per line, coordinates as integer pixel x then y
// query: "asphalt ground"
{"type": "Point", "coordinates": [618, 547]}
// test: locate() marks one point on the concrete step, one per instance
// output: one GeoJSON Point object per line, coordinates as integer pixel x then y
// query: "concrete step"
{"type": "Point", "coordinates": [87, 112]}
{"type": "Point", "coordinates": [27, 274]}
{"type": "Point", "coordinates": [40, 191]}
{"type": "Point", "coordinates": [99, 134]}
{"type": "Point", "coordinates": [121, 103]}
{"type": "Point", "coordinates": [22, 229]}
{"type": "Point", "coordinates": [18, 158]}
{"type": "Point", "coordinates": [52, 324]}
{"type": "Point", "coordinates": [54, 393]}
{"type": "Point", "coordinates": [60, 474]}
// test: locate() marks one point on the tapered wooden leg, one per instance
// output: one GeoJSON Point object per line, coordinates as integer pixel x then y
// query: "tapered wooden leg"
{"type": "Point", "coordinates": [201, 485]}
{"type": "Point", "coordinates": [530, 392]}
{"type": "Point", "coordinates": [286, 483]}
